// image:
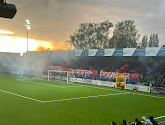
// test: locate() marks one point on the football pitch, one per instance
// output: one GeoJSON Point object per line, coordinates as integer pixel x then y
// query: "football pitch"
{"type": "Point", "coordinates": [29, 101]}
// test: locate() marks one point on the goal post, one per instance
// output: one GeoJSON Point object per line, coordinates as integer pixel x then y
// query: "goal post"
{"type": "Point", "coordinates": [58, 75]}
{"type": "Point", "coordinates": [119, 80]}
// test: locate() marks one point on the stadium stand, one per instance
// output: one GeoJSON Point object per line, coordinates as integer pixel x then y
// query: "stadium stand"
{"type": "Point", "coordinates": [151, 69]}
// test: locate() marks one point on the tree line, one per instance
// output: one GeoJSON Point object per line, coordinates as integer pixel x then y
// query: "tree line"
{"type": "Point", "coordinates": [100, 36]}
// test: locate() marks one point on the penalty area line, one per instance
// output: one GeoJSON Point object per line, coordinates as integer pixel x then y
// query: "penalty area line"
{"type": "Point", "coordinates": [82, 97]}
{"type": "Point", "coordinates": [21, 96]}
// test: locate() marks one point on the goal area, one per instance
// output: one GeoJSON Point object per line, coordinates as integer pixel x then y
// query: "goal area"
{"type": "Point", "coordinates": [59, 75]}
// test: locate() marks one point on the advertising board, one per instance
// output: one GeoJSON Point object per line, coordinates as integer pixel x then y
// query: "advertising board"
{"type": "Point", "coordinates": [138, 88]}
{"type": "Point", "coordinates": [94, 82]}
{"type": "Point", "coordinates": [160, 90]}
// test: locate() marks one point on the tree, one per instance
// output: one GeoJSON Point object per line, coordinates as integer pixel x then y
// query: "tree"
{"type": "Point", "coordinates": [90, 36]}
{"type": "Point", "coordinates": [151, 41]}
{"type": "Point", "coordinates": [154, 40]}
{"type": "Point", "coordinates": [144, 42]}
{"type": "Point", "coordinates": [125, 35]}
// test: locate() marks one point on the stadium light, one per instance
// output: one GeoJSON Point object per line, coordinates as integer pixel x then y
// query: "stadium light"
{"type": "Point", "coordinates": [28, 28]}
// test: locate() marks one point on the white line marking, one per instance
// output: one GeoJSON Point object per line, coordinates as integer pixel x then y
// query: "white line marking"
{"type": "Point", "coordinates": [93, 96]}
{"type": "Point", "coordinates": [85, 85]}
{"type": "Point", "coordinates": [146, 95]}
{"type": "Point", "coordinates": [82, 97]}
{"type": "Point", "coordinates": [149, 95]}
{"type": "Point", "coordinates": [74, 98]}
{"type": "Point", "coordinates": [49, 84]}
{"type": "Point", "coordinates": [160, 97]}
{"type": "Point", "coordinates": [123, 92]}
{"type": "Point", "coordinates": [86, 97]}
{"type": "Point", "coordinates": [160, 117]}
{"type": "Point", "coordinates": [73, 86]}
{"type": "Point", "coordinates": [154, 96]}
{"type": "Point", "coordinates": [65, 99]}
{"type": "Point", "coordinates": [108, 89]}
{"type": "Point", "coordinates": [20, 96]}
{"type": "Point", "coordinates": [102, 95]}
{"type": "Point", "coordinates": [64, 82]}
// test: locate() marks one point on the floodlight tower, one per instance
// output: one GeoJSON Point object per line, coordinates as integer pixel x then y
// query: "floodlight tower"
{"type": "Point", "coordinates": [28, 28]}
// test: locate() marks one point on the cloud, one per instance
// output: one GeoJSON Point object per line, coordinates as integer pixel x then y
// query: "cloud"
{"type": "Point", "coordinates": [55, 20]}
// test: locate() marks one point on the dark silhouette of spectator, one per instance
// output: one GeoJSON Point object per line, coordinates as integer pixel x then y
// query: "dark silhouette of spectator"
{"type": "Point", "coordinates": [113, 123]}
{"type": "Point", "coordinates": [154, 122]}
{"type": "Point", "coordinates": [124, 122]}
{"type": "Point", "coordinates": [138, 122]}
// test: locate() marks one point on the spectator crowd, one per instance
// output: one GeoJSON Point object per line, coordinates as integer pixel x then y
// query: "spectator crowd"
{"type": "Point", "coordinates": [145, 121]}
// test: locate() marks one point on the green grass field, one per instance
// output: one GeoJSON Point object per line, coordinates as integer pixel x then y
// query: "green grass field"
{"type": "Point", "coordinates": [27, 101]}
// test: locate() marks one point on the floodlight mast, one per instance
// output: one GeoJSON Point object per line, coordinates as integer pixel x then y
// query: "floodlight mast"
{"type": "Point", "coordinates": [28, 28]}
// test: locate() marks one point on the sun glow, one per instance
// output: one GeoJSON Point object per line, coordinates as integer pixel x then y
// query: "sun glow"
{"type": "Point", "coordinates": [5, 32]}
{"type": "Point", "coordinates": [16, 44]}
{"type": "Point", "coordinates": [19, 44]}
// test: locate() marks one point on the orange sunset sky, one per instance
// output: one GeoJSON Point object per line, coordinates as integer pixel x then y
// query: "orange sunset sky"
{"type": "Point", "coordinates": [11, 43]}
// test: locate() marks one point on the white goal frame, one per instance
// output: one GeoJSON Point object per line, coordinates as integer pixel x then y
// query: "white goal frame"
{"type": "Point", "coordinates": [59, 72]}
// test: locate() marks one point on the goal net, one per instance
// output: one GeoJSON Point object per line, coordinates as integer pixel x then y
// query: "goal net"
{"type": "Point", "coordinates": [59, 75]}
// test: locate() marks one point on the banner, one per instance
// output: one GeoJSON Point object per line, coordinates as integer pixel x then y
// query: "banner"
{"type": "Point", "coordinates": [92, 52]}
{"type": "Point", "coordinates": [150, 51]}
{"type": "Point", "coordinates": [84, 53]}
{"type": "Point", "coordinates": [161, 52]}
{"type": "Point", "coordinates": [100, 52]}
{"type": "Point", "coordinates": [139, 52]}
{"type": "Point", "coordinates": [128, 51]}
{"type": "Point", "coordinates": [138, 88]}
{"type": "Point", "coordinates": [106, 83]}
{"type": "Point", "coordinates": [112, 75]}
{"type": "Point", "coordinates": [118, 52]}
{"type": "Point", "coordinates": [78, 52]}
{"type": "Point", "coordinates": [109, 52]}
{"type": "Point", "coordinates": [160, 90]}
{"type": "Point", "coordinates": [93, 82]}
{"type": "Point", "coordinates": [54, 67]}
{"type": "Point", "coordinates": [94, 73]}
